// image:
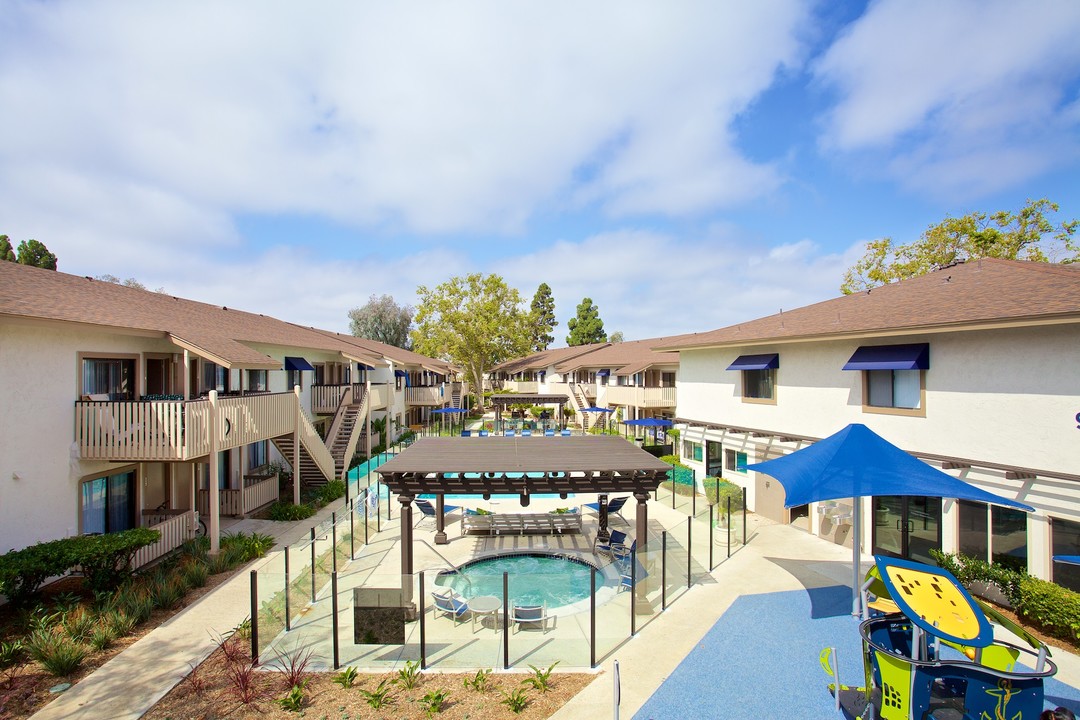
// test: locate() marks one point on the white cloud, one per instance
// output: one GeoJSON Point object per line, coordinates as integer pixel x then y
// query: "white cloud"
{"type": "Point", "coordinates": [963, 98]}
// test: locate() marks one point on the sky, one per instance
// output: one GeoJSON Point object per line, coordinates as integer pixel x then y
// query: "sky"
{"type": "Point", "coordinates": [686, 165]}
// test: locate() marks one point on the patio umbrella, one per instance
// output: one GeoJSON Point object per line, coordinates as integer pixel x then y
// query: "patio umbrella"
{"type": "Point", "coordinates": [593, 408]}
{"type": "Point", "coordinates": [649, 422]}
{"type": "Point", "coordinates": [855, 463]}
{"type": "Point", "coordinates": [449, 411]}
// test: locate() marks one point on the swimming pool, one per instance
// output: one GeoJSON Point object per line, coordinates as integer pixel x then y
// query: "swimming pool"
{"type": "Point", "coordinates": [478, 496]}
{"type": "Point", "coordinates": [534, 578]}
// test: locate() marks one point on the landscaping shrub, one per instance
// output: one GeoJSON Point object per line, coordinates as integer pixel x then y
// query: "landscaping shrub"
{"type": "Point", "coordinates": [969, 569]}
{"type": "Point", "coordinates": [106, 559]}
{"type": "Point", "coordinates": [22, 572]}
{"type": "Point", "coordinates": [195, 573]}
{"type": "Point", "coordinates": [57, 653]}
{"type": "Point", "coordinates": [1052, 607]}
{"type": "Point", "coordinates": [718, 493]}
{"type": "Point", "coordinates": [248, 546]}
{"type": "Point", "coordinates": [330, 492]}
{"type": "Point", "coordinates": [287, 512]}
{"type": "Point", "coordinates": [168, 593]}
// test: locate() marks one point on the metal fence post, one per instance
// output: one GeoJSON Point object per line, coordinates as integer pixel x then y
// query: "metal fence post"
{"type": "Point", "coordinates": [367, 496]}
{"type": "Point", "coordinates": [352, 530]}
{"type": "Point", "coordinates": [423, 629]}
{"type": "Point", "coordinates": [505, 624]}
{"type": "Point", "coordinates": [728, 528]}
{"type": "Point", "coordinates": [312, 564]}
{"type": "Point", "coordinates": [633, 592]}
{"type": "Point", "coordinates": [693, 494]}
{"type": "Point", "coordinates": [712, 536]}
{"type": "Point", "coordinates": [744, 516]}
{"type": "Point", "coordinates": [334, 610]}
{"type": "Point", "coordinates": [254, 617]}
{"type": "Point", "coordinates": [333, 540]}
{"type": "Point", "coordinates": [288, 620]}
{"type": "Point", "coordinates": [689, 550]}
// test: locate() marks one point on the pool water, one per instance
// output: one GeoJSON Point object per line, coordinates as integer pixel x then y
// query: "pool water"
{"type": "Point", "coordinates": [534, 579]}
{"type": "Point", "coordinates": [477, 496]}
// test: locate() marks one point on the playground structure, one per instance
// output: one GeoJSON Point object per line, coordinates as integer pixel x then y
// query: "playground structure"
{"type": "Point", "coordinates": [929, 652]}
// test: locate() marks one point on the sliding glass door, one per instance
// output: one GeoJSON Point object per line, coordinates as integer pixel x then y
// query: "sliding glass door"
{"type": "Point", "coordinates": [907, 527]}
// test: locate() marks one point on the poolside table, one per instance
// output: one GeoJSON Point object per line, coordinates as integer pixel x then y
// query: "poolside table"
{"type": "Point", "coordinates": [483, 605]}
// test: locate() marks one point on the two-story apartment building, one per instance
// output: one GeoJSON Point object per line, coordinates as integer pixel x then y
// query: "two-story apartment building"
{"type": "Point", "coordinates": [121, 407]}
{"type": "Point", "coordinates": [974, 368]}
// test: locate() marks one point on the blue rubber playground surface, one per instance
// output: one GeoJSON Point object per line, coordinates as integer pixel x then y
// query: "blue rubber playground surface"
{"type": "Point", "coordinates": [761, 660]}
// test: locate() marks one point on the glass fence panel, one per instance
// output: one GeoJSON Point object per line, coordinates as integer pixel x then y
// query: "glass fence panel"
{"type": "Point", "coordinates": [462, 621]}
{"type": "Point", "coordinates": [612, 608]}
{"type": "Point", "coordinates": [676, 562]}
{"type": "Point", "coordinates": [645, 567]}
{"type": "Point", "coordinates": [549, 613]}
{"type": "Point", "coordinates": [323, 560]}
{"type": "Point", "coordinates": [299, 580]}
{"type": "Point", "coordinates": [270, 615]}
{"type": "Point", "coordinates": [343, 538]}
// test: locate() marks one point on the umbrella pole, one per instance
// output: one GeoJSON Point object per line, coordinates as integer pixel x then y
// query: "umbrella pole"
{"type": "Point", "coordinates": [856, 553]}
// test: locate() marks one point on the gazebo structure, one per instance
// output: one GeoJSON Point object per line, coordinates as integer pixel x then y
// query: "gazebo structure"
{"type": "Point", "coordinates": [519, 466]}
{"type": "Point", "coordinates": [502, 401]}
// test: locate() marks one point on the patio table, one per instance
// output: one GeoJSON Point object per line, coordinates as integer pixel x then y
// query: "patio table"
{"type": "Point", "coordinates": [483, 605]}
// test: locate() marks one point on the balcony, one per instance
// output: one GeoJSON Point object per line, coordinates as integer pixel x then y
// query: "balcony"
{"type": "Point", "coordinates": [258, 490]}
{"type": "Point", "coordinates": [173, 430]}
{"type": "Point", "coordinates": [433, 395]}
{"type": "Point", "coordinates": [642, 397]}
{"type": "Point", "coordinates": [522, 386]}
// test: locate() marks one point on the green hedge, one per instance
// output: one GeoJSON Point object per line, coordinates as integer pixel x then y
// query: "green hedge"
{"type": "Point", "coordinates": [719, 492]}
{"type": "Point", "coordinates": [104, 559]}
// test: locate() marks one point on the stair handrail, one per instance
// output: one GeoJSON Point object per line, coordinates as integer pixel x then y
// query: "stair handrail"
{"type": "Point", "coordinates": [335, 424]}
{"type": "Point", "coordinates": [442, 557]}
{"type": "Point", "coordinates": [317, 450]}
{"type": "Point", "coordinates": [354, 436]}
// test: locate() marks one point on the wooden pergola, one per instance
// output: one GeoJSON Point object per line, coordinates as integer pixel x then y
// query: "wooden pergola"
{"type": "Point", "coordinates": [502, 401]}
{"type": "Point", "coordinates": [519, 466]}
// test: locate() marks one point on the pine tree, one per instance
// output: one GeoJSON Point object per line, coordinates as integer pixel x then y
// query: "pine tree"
{"type": "Point", "coordinates": [542, 318]}
{"type": "Point", "coordinates": [587, 327]}
{"type": "Point", "coordinates": [7, 253]}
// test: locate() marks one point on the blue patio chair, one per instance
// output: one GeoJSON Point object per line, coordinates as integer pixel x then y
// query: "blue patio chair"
{"type": "Point", "coordinates": [465, 433]}
{"type": "Point", "coordinates": [532, 615]}
{"type": "Point", "coordinates": [626, 580]}
{"type": "Point", "coordinates": [620, 551]}
{"type": "Point", "coordinates": [549, 433]}
{"type": "Point", "coordinates": [526, 433]}
{"type": "Point", "coordinates": [618, 539]}
{"type": "Point", "coordinates": [565, 433]}
{"type": "Point", "coordinates": [508, 433]}
{"type": "Point", "coordinates": [450, 604]}
{"type": "Point", "coordinates": [428, 513]}
{"type": "Point", "coordinates": [614, 507]}
{"type": "Point", "coordinates": [483, 433]}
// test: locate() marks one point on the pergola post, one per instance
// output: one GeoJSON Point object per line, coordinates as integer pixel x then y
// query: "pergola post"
{"type": "Point", "coordinates": [642, 536]}
{"type": "Point", "coordinates": [602, 533]}
{"type": "Point", "coordinates": [440, 520]}
{"type": "Point", "coordinates": [406, 554]}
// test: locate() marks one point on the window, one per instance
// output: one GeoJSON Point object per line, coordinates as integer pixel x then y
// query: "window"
{"type": "Point", "coordinates": [693, 450]}
{"type": "Point", "coordinates": [114, 377]}
{"type": "Point", "coordinates": [1065, 540]}
{"type": "Point", "coordinates": [256, 455]}
{"type": "Point", "coordinates": [108, 503]}
{"type": "Point", "coordinates": [293, 378]}
{"type": "Point", "coordinates": [667, 379]}
{"type": "Point", "coordinates": [995, 534]}
{"type": "Point", "coordinates": [759, 384]}
{"type": "Point", "coordinates": [735, 460]}
{"type": "Point", "coordinates": [256, 381]}
{"type": "Point", "coordinates": [215, 377]}
{"type": "Point", "coordinates": [894, 388]}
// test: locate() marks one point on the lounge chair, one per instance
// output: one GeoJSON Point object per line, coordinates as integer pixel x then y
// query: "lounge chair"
{"type": "Point", "coordinates": [428, 513]}
{"type": "Point", "coordinates": [532, 615]}
{"type": "Point", "coordinates": [473, 521]}
{"type": "Point", "coordinates": [566, 522]}
{"type": "Point", "coordinates": [614, 507]}
{"type": "Point", "coordinates": [526, 433]}
{"type": "Point", "coordinates": [549, 433]}
{"type": "Point", "coordinates": [465, 433]}
{"type": "Point", "coordinates": [483, 433]}
{"type": "Point", "coordinates": [450, 604]}
{"type": "Point", "coordinates": [565, 433]}
{"type": "Point", "coordinates": [620, 551]}
{"type": "Point", "coordinates": [618, 539]}
{"type": "Point", "coordinates": [508, 433]}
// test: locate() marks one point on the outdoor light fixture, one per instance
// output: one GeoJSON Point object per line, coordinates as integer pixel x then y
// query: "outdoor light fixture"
{"type": "Point", "coordinates": [525, 497]}
{"type": "Point", "coordinates": [562, 496]}
{"type": "Point", "coordinates": [487, 496]}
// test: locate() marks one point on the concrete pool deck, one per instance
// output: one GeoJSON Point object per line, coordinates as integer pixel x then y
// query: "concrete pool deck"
{"type": "Point", "coordinates": [778, 558]}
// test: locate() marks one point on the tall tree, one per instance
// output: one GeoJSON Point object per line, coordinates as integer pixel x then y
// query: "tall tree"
{"type": "Point", "coordinates": [7, 253]}
{"type": "Point", "coordinates": [382, 319]}
{"type": "Point", "coordinates": [32, 252]}
{"type": "Point", "coordinates": [1025, 235]}
{"type": "Point", "coordinates": [542, 318]}
{"type": "Point", "coordinates": [475, 322]}
{"type": "Point", "coordinates": [586, 327]}
{"type": "Point", "coordinates": [616, 337]}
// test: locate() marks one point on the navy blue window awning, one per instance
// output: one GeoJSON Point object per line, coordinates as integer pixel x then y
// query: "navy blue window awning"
{"type": "Point", "coordinates": [603, 373]}
{"type": "Point", "coordinates": [400, 373]}
{"type": "Point", "coordinates": [890, 357]}
{"type": "Point", "coordinates": [298, 363]}
{"type": "Point", "coordinates": [756, 362]}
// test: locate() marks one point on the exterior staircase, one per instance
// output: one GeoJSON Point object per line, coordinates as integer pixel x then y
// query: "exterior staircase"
{"type": "Point", "coordinates": [578, 397]}
{"type": "Point", "coordinates": [310, 474]}
{"type": "Point", "coordinates": [347, 429]}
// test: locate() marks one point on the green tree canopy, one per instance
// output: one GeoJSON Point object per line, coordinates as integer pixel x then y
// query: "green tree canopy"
{"type": "Point", "coordinates": [32, 252]}
{"type": "Point", "coordinates": [382, 319]}
{"type": "Point", "coordinates": [616, 337]}
{"type": "Point", "coordinates": [542, 318]}
{"type": "Point", "coordinates": [1025, 235]}
{"type": "Point", "coordinates": [586, 327]}
{"type": "Point", "coordinates": [475, 322]}
{"type": "Point", "coordinates": [130, 282]}
{"type": "Point", "coordinates": [7, 253]}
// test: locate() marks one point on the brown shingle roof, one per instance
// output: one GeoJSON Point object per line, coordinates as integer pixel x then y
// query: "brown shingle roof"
{"type": "Point", "coordinates": [639, 353]}
{"type": "Point", "coordinates": [217, 332]}
{"type": "Point", "coordinates": [546, 358]}
{"type": "Point", "coordinates": [979, 292]}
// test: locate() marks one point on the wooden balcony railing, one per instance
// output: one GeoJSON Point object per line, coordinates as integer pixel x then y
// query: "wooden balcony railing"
{"type": "Point", "coordinates": [379, 397]}
{"type": "Point", "coordinates": [326, 398]}
{"type": "Point", "coordinates": [175, 530]}
{"type": "Point", "coordinates": [244, 420]}
{"type": "Point", "coordinates": [240, 502]}
{"type": "Point", "coordinates": [426, 395]}
{"type": "Point", "coordinates": [522, 386]}
{"type": "Point", "coordinates": [644, 397]}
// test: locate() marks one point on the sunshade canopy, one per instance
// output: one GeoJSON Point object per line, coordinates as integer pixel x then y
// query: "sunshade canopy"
{"type": "Point", "coordinates": [756, 362]}
{"type": "Point", "coordinates": [857, 462]}
{"type": "Point", "coordinates": [648, 422]}
{"type": "Point", "coordinates": [890, 357]}
{"type": "Point", "coordinates": [597, 409]}
{"type": "Point", "coordinates": [298, 363]}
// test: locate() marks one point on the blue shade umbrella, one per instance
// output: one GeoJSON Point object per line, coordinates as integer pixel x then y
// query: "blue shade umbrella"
{"type": "Point", "coordinates": [649, 422]}
{"type": "Point", "coordinates": [449, 411]}
{"type": "Point", "coordinates": [597, 409]}
{"type": "Point", "coordinates": [855, 463]}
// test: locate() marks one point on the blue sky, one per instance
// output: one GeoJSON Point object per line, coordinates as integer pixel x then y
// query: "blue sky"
{"type": "Point", "coordinates": [687, 165]}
